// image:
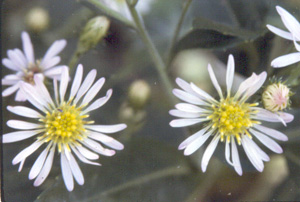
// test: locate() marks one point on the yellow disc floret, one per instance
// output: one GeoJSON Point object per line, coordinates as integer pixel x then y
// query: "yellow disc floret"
{"type": "Point", "coordinates": [65, 125]}
{"type": "Point", "coordinates": [232, 118]}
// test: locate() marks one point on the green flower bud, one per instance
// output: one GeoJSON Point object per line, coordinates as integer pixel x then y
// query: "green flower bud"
{"type": "Point", "coordinates": [139, 93]}
{"type": "Point", "coordinates": [37, 19]}
{"type": "Point", "coordinates": [95, 30]}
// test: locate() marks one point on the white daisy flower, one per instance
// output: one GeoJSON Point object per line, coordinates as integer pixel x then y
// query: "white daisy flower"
{"type": "Point", "coordinates": [26, 66]}
{"type": "Point", "coordinates": [293, 34]}
{"type": "Point", "coordinates": [228, 119]}
{"type": "Point", "coordinates": [143, 6]}
{"type": "Point", "coordinates": [62, 124]}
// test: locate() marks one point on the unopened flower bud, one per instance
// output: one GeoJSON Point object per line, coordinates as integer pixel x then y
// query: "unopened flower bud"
{"type": "Point", "coordinates": [37, 19]}
{"type": "Point", "coordinates": [276, 97]}
{"type": "Point", "coordinates": [139, 93]}
{"type": "Point", "coordinates": [95, 30]}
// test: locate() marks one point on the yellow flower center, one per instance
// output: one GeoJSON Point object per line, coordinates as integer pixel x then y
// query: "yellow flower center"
{"type": "Point", "coordinates": [65, 125]}
{"type": "Point", "coordinates": [232, 118]}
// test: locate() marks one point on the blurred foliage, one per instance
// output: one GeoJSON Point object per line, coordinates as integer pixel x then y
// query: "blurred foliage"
{"type": "Point", "coordinates": [151, 168]}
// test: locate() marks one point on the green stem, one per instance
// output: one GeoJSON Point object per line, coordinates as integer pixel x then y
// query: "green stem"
{"type": "Point", "coordinates": [97, 6]}
{"type": "Point", "coordinates": [159, 64]}
{"type": "Point", "coordinates": [178, 28]}
{"type": "Point", "coordinates": [171, 171]}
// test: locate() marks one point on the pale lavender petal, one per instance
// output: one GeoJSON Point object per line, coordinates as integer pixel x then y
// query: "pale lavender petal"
{"type": "Point", "coordinates": [235, 157]}
{"type": "Point", "coordinates": [107, 128]}
{"type": "Point", "coordinates": [27, 151]}
{"type": "Point", "coordinates": [20, 96]}
{"type": "Point", "coordinates": [230, 73]}
{"type": "Point", "coordinates": [27, 47]}
{"type": "Point", "coordinates": [66, 172]}
{"type": "Point", "coordinates": [280, 32]}
{"type": "Point", "coordinates": [209, 152]}
{"type": "Point", "coordinates": [285, 60]}
{"type": "Point", "coordinates": [98, 103]}
{"type": "Point", "coordinates": [24, 111]}
{"type": "Point", "coordinates": [271, 132]}
{"type": "Point", "coordinates": [87, 153]}
{"type": "Point", "coordinates": [54, 49]}
{"type": "Point", "coordinates": [76, 170]}
{"type": "Point", "coordinates": [109, 141]}
{"type": "Point", "coordinates": [186, 122]}
{"type": "Point", "coordinates": [95, 146]}
{"type": "Point", "coordinates": [89, 79]}
{"type": "Point", "coordinates": [188, 97]}
{"type": "Point", "coordinates": [227, 153]}
{"type": "Point", "coordinates": [38, 164]}
{"type": "Point", "coordinates": [193, 137]}
{"type": "Point", "coordinates": [268, 142]}
{"type": "Point", "coordinates": [54, 72]}
{"type": "Point", "coordinates": [289, 21]}
{"type": "Point", "coordinates": [46, 168]}
{"type": "Point", "coordinates": [76, 81]}
{"type": "Point", "coordinates": [63, 83]}
{"type": "Point", "coordinates": [93, 91]}
{"type": "Point", "coordinates": [214, 80]}
{"type": "Point", "coordinates": [23, 125]}
{"type": "Point", "coordinates": [252, 155]}
{"type": "Point", "coordinates": [51, 63]}
{"type": "Point", "coordinates": [182, 114]}
{"type": "Point", "coordinates": [10, 65]}
{"type": "Point", "coordinates": [196, 144]}
{"type": "Point", "coordinates": [20, 135]}
{"type": "Point", "coordinates": [189, 108]}
{"type": "Point", "coordinates": [10, 90]}
{"type": "Point", "coordinates": [82, 158]}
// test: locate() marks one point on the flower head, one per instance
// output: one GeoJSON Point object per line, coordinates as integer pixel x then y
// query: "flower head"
{"type": "Point", "coordinates": [63, 124]}
{"type": "Point", "coordinates": [228, 120]}
{"type": "Point", "coordinates": [276, 97]}
{"type": "Point", "coordinates": [293, 34]}
{"type": "Point", "coordinates": [26, 66]}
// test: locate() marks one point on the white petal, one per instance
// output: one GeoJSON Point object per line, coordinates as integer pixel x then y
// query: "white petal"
{"type": "Point", "coordinates": [187, 97]}
{"type": "Point", "coordinates": [26, 152]}
{"type": "Point", "coordinates": [269, 116]}
{"type": "Point", "coordinates": [89, 79]}
{"type": "Point", "coordinates": [42, 90]}
{"type": "Point", "coordinates": [54, 49]}
{"type": "Point", "coordinates": [95, 146]}
{"type": "Point", "coordinates": [227, 153]}
{"type": "Point", "coordinates": [261, 154]}
{"type": "Point", "coordinates": [27, 47]}
{"type": "Point", "coordinates": [51, 63]}
{"type": "Point", "coordinates": [21, 165]}
{"type": "Point", "coordinates": [272, 133]}
{"type": "Point", "coordinates": [46, 169]}
{"type": "Point", "coordinates": [76, 81]}
{"type": "Point", "coordinates": [209, 152]}
{"type": "Point", "coordinates": [193, 137]}
{"type": "Point", "coordinates": [268, 142]}
{"type": "Point", "coordinates": [196, 144]}
{"type": "Point", "coordinates": [82, 158]}
{"type": "Point", "coordinates": [28, 90]}
{"type": "Point", "coordinates": [66, 172]}
{"type": "Point", "coordinates": [87, 153]}
{"type": "Point", "coordinates": [286, 60]}
{"type": "Point", "coordinates": [189, 108]}
{"type": "Point", "coordinates": [255, 86]}
{"type": "Point", "coordinates": [10, 79]}
{"type": "Point", "coordinates": [24, 111]}
{"type": "Point", "coordinates": [252, 155]}
{"type": "Point", "coordinates": [54, 72]}
{"type": "Point", "coordinates": [214, 80]}
{"type": "Point", "coordinates": [20, 135]}
{"type": "Point", "coordinates": [186, 122]}
{"type": "Point", "coordinates": [230, 73]}
{"type": "Point", "coordinates": [181, 114]}
{"type": "Point", "coordinates": [235, 157]}
{"type": "Point", "coordinates": [76, 170]}
{"type": "Point", "coordinates": [286, 117]}
{"type": "Point", "coordinates": [280, 32]}
{"type": "Point", "coordinates": [202, 93]}
{"type": "Point", "coordinates": [21, 96]}
{"type": "Point", "coordinates": [98, 103]}
{"type": "Point", "coordinates": [10, 90]}
{"type": "Point", "coordinates": [107, 128]}
{"type": "Point", "coordinates": [10, 65]}
{"type": "Point", "coordinates": [14, 58]}
{"type": "Point", "coordinates": [109, 141]}
{"type": "Point", "coordinates": [55, 88]}
{"type": "Point", "coordinates": [38, 164]}
{"type": "Point", "coordinates": [63, 83]}
{"type": "Point", "coordinates": [93, 91]}
{"type": "Point", "coordinates": [185, 86]}
{"type": "Point", "coordinates": [289, 21]}
{"type": "Point", "coordinates": [23, 125]}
